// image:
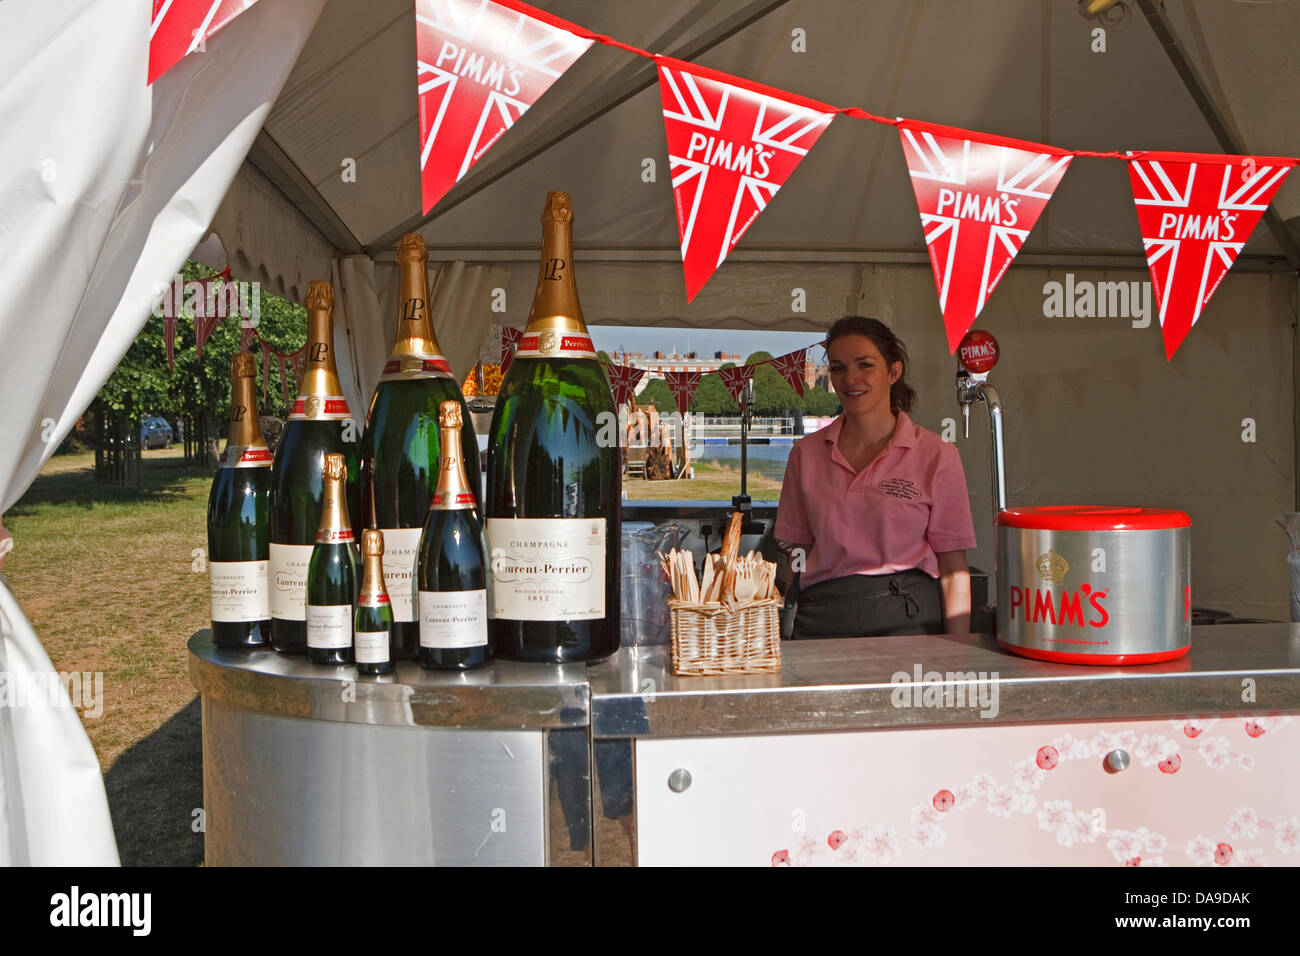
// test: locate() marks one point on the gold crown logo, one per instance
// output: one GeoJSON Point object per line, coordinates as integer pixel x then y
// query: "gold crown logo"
{"type": "Point", "coordinates": [1052, 567]}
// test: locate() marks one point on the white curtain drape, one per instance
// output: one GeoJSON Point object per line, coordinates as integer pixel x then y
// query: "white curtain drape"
{"type": "Point", "coordinates": [365, 317]}
{"type": "Point", "coordinates": [105, 185]}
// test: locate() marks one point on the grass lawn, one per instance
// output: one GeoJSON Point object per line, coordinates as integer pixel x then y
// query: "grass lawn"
{"type": "Point", "coordinates": [105, 576]}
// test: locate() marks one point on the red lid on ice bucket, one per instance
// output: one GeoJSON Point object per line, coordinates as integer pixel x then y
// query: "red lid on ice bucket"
{"type": "Point", "coordinates": [1094, 518]}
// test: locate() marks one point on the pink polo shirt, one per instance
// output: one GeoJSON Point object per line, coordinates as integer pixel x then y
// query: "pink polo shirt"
{"type": "Point", "coordinates": [894, 515]}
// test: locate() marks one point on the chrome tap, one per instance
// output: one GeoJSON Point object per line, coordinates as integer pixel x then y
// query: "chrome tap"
{"type": "Point", "coordinates": [977, 355]}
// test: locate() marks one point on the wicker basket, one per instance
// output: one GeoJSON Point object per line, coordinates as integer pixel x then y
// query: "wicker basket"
{"type": "Point", "coordinates": [713, 639]}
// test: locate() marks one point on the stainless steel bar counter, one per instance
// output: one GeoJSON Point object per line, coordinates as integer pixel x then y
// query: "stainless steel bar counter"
{"type": "Point", "coordinates": [919, 750]}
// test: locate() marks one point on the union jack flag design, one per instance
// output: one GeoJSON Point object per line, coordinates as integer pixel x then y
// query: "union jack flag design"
{"type": "Point", "coordinates": [480, 66]}
{"type": "Point", "coordinates": [791, 367]}
{"type": "Point", "coordinates": [1196, 213]}
{"type": "Point", "coordinates": [730, 148]}
{"type": "Point", "coordinates": [979, 197]}
{"type": "Point", "coordinates": [179, 27]}
{"type": "Point", "coordinates": [623, 380]}
{"type": "Point", "coordinates": [509, 343]}
{"type": "Point", "coordinates": [682, 385]}
{"type": "Point", "coordinates": [735, 378]}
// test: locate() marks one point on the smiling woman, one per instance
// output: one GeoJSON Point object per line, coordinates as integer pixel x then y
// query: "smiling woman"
{"type": "Point", "coordinates": [873, 507]}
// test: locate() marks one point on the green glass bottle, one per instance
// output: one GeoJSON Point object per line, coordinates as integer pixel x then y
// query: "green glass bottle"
{"type": "Point", "coordinates": [452, 569]}
{"type": "Point", "coordinates": [238, 516]}
{"type": "Point", "coordinates": [319, 424]}
{"type": "Point", "coordinates": [554, 478]}
{"type": "Point", "coordinates": [332, 573]}
{"type": "Point", "coordinates": [372, 625]}
{"type": "Point", "coordinates": [400, 448]}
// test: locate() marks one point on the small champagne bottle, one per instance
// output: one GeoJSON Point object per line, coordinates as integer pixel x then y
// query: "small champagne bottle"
{"type": "Point", "coordinates": [332, 573]}
{"type": "Point", "coordinates": [372, 626]}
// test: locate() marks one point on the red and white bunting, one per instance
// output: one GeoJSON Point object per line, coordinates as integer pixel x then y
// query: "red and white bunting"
{"type": "Point", "coordinates": [1196, 212]}
{"type": "Point", "coordinates": [979, 196]}
{"type": "Point", "coordinates": [480, 65]}
{"type": "Point", "coordinates": [179, 27]}
{"type": "Point", "coordinates": [510, 339]}
{"type": "Point", "coordinates": [731, 147]}
{"type": "Point", "coordinates": [245, 336]}
{"type": "Point", "coordinates": [299, 359]}
{"type": "Point", "coordinates": [791, 367]}
{"type": "Point", "coordinates": [682, 385]}
{"type": "Point", "coordinates": [623, 380]}
{"type": "Point", "coordinates": [735, 378]}
{"type": "Point", "coordinates": [284, 380]}
{"type": "Point", "coordinates": [266, 369]}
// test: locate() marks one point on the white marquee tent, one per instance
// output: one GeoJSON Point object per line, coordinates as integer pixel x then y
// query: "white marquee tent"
{"type": "Point", "coordinates": [106, 185]}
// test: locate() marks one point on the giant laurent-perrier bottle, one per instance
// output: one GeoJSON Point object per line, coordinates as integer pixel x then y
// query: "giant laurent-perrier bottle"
{"type": "Point", "coordinates": [553, 478]}
{"type": "Point", "coordinates": [319, 424]}
{"type": "Point", "coordinates": [372, 631]}
{"type": "Point", "coordinates": [400, 449]}
{"type": "Point", "coordinates": [332, 573]}
{"type": "Point", "coordinates": [238, 516]}
{"type": "Point", "coordinates": [452, 569]}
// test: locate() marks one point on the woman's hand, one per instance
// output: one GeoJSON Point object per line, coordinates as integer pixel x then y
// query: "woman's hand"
{"type": "Point", "coordinates": [954, 582]}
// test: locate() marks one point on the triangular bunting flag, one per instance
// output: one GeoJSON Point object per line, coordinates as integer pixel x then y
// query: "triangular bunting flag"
{"type": "Point", "coordinates": [266, 369]}
{"type": "Point", "coordinates": [731, 144]}
{"type": "Point", "coordinates": [509, 345]}
{"type": "Point", "coordinates": [735, 378]}
{"type": "Point", "coordinates": [299, 359]}
{"type": "Point", "coordinates": [979, 196]}
{"type": "Point", "coordinates": [179, 27]}
{"type": "Point", "coordinates": [791, 367]}
{"type": "Point", "coordinates": [683, 386]}
{"type": "Point", "coordinates": [1196, 212]}
{"type": "Point", "coordinates": [480, 66]}
{"type": "Point", "coordinates": [623, 381]}
{"type": "Point", "coordinates": [245, 336]}
{"type": "Point", "coordinates": [284, 380]}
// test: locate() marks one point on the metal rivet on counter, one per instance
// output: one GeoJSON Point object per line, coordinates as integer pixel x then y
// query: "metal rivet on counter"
{"type": "Point", "coordinates": [1116, 761]}
{"type": "Point", "coordinates": [679, 780]}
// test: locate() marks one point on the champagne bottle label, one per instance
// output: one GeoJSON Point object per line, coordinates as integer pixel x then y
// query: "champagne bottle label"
{"type": "Point", "coordinates": [371, 647]}
{"type": "Point", "coordinates": [547, 569]}
{"type": "Point", "coordinates": [334, 535]}
{"type": "Point", "coordinates": [373, 600]}
{"type": "Point", "coordinates": [452, 502]}
{"type": "Point", "coordinates": [320, 408]}
{"type": "Point", "coordinates": [287, 580]}
{"type": "Point", "coordinates": [239, 591]}
{"type": "Point", "coordinates": [555, 343]}
{"type": "Point", "coordinates": [403, 368]}
{"type": "Point", "coordinates": [453, 618]}
{"type": "Point", "coordinates": [401, 552]}
{"type": "Point", "coordinates": [246, 456]}
{"type": "Point", "coordinates": [329, 626]}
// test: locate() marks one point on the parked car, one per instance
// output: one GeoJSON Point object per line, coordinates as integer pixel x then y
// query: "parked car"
{"type": "Point", "coordinates": [155, 433]}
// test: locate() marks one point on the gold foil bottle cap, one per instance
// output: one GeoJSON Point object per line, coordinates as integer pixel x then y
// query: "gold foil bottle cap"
{"type": "Point", "coordinates": [243, 365]}
{"type": "Point", "coordinates": [335, 467]}
{"type": "Point", "coordinates": [558, 208]}
{"type": "Point", "coordinates": [320, 294]}
{"type": "Point", "coordinates": [372, 541]}
{"type": "Point", "coordinates": [411, 248]}
{"type": "Point", "coordinates": [449, 415]}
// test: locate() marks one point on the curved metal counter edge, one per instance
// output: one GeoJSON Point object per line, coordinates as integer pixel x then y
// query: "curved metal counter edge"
{"type": "Point", "coordinates": [502, 696]}
{"type": "Point", "coordinates": [825, 685]}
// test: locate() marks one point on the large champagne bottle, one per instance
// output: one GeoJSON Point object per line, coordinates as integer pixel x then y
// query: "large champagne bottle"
{"type": "Point", "coordinates": [372, 625]}
{"type": "Point", "coordinates": [332, 573]}
{"type": "Point", "coordinates": [452, 570]}
{"type": "Point", "coordinates": [554, 478]}
{"type": "Point", "coordinates": [319, 424]}
{"type": "Point", "coordinates": [238, 516]}
{"type": "Point", "coordinates": [400, 449]}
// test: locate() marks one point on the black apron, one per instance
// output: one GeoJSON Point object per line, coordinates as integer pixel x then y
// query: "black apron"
{"type": "Point", "coordinates": [871, 605]}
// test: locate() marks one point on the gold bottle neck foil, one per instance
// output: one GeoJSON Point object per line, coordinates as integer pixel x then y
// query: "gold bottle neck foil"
{"type": "Point", "coordinates": [556, 328]}
{"type": "Point", "coordinates": [416, 353]}
{"type": "Point", "coordinates": [334, 524]}
{"type": "Point", "coordinates": [453, 492]}
{"type": "Point", "coordinates": [373, 592]}
{"type": "Point", "coordinates": [245, 446]}
{"type": "Point", "coordinates": [320, 394]}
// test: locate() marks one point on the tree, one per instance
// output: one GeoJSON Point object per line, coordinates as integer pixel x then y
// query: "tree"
{"type": "Point", "coordinates": [819, 402]}
{"type": "Point", "coordinates": [712, 397]}
{"type": "Point", "coordinates": [658, 394]}
{"type": "Point", "coordinates": [772, 393]}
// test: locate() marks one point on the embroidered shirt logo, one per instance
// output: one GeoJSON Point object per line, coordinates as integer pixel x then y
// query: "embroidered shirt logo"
{"type": "Point", "coordinates": [900, 488]}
